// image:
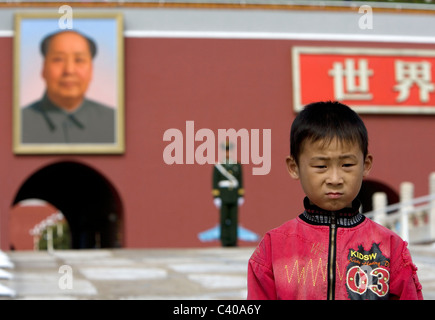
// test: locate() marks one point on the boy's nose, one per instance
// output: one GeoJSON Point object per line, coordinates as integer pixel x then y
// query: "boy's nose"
{"type": "Point", "coordinates": [334, 177]}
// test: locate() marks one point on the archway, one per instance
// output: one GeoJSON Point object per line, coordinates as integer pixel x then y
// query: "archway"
{"type": "Point", "coordinates": [89, 202]}
{"type": "Point", "coordinates": [370, 187]}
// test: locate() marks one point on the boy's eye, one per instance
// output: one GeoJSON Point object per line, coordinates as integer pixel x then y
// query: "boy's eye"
{"type": "Point", "coordinates": [348, 165]}
{"type": "Point", "coordinates": [320, 167]}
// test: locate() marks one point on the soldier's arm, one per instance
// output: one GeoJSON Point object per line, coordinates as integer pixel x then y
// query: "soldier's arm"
{"type": "Point", "coordinates": [215, 190]}
{"type": "Point", "coordinates": [241, 190]}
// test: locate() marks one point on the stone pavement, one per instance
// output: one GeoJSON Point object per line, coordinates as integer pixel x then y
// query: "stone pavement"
{"type": "Point", "coordinates": [174, 274]}
{"type": "Point", "coordinates": [170, 274]}
{"type": "Point", "coordinates": [424, 258]}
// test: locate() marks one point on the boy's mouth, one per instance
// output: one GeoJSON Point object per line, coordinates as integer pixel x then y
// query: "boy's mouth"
{"type": "Point", "coordinates": [334, 195]}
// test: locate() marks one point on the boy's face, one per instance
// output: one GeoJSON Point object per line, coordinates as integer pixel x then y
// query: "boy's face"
{"type": "Point", "coordinates": [330, 174]}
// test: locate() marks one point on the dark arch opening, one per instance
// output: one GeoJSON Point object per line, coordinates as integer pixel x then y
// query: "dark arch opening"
{"type": "Point", "coordinates": [370, 187]}
{"type": "Point", "coordinates": [89, 202]}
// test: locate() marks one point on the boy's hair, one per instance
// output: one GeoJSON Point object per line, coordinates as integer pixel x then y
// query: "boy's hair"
{"type": "Point", "coordinates": [326, 121]}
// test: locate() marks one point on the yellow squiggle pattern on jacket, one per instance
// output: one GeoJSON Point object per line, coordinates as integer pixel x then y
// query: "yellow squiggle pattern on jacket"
{"type": "Point", "coordinates": [303, 274]}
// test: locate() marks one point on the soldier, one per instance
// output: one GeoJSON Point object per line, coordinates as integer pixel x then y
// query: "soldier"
{"type": "Point", "coordinates": [228, 194]}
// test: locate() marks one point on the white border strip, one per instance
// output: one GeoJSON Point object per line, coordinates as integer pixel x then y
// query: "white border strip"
{"type": "Point", "coordinates": [277, 35]}
{"type": "Point", "coordinates": [6, 33]}
{"type": "Point", "coordinates": [266, 35]}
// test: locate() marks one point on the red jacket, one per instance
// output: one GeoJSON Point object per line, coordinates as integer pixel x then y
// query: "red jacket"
{"type": "Point", "coordinates": [332, 255]}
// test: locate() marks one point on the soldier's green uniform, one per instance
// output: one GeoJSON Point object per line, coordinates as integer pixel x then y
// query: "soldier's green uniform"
{"type": "Point", "coordinates": [229, 191]}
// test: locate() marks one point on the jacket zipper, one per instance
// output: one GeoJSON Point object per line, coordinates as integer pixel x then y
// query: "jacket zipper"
{"type": "Point", "coordinates": [332, 253]}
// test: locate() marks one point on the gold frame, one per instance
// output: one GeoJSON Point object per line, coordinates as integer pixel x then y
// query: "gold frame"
{"type": "Point", "coordinates": [118, 146]}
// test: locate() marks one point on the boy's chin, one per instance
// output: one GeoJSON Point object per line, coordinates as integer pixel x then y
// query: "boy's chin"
{"type": "Point", "coordinates": [334, 205]}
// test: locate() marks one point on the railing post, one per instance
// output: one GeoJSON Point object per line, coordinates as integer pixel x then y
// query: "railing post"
{"type": "Point", "coordinates": [379, 200]}
{"type": "Point", "coordinates": [432, 206]}
{"type": "Point", "coordinates": [406, 195]}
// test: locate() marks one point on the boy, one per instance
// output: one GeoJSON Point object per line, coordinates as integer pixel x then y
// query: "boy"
{"type": "Point", "coordinates": [331, 251]}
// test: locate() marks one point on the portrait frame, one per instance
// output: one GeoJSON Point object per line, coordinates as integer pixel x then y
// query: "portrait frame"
{"type": "Point", "coordinates": [106, 86]}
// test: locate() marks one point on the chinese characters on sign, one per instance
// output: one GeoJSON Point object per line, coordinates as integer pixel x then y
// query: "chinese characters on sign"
{"type": "Point", "coordinates": [345, 79]}
{"type": "Point", "coordinates": [413, 73]}
{"type": "Point", "coordinates": [369, 80]}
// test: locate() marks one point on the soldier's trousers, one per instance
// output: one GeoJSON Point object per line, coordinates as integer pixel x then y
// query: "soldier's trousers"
{"type": "Point", "coordinates": [229, 223]}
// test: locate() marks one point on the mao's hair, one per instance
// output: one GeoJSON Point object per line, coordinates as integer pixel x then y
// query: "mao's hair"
{"type": "Point", "coordinates": [45, 43]}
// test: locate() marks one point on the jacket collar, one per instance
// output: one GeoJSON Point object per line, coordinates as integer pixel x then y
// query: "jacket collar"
{"type": "Point", "coordinates": [346, 217]}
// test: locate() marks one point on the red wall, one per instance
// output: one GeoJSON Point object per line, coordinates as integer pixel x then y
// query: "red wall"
{"type": "Point", "coordinates": [219, 84]}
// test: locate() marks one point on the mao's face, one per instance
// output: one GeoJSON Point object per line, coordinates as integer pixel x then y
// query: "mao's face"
{"type": "Point", "coordinates": [67, 67]}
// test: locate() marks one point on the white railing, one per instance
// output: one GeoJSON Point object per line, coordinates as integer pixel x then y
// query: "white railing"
{"type": "Point", "coordinates": [412, 218]}
{"type": "Point", "coordinates": [47, 224]}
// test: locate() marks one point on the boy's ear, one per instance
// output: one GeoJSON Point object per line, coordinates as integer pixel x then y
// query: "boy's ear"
{"type": "Point", "coordinates": [292, 167]}
{"type": "Point", "coordinates": [368, 162]}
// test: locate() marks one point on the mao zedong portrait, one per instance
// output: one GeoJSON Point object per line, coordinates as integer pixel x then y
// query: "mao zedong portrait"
{"type": "Point", "coordinates": [64, 114]}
